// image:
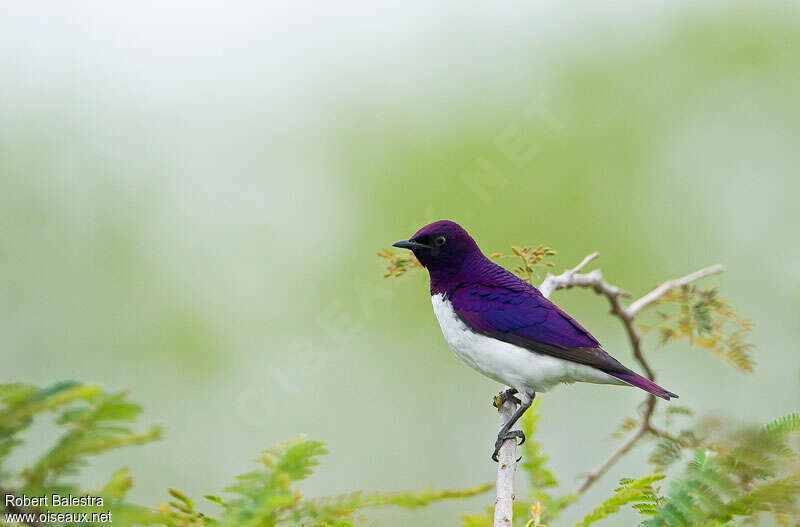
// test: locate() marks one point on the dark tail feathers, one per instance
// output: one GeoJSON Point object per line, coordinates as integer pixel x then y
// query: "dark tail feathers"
{"type": "Point", "coordinates": [645, 384]}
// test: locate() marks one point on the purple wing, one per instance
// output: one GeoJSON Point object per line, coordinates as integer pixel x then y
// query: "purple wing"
{"type": "Point", "coordinates": [516, 312]}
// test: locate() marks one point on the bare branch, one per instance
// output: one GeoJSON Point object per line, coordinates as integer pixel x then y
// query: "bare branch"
{"type": "Point", "coordinates": [506, 468]}
{"type": "Point", "coordinates": [573, 278]}
{"type": "Point", "coordinates": [661, 290]}
{"type": "Point", "coordinates": [588, 258]}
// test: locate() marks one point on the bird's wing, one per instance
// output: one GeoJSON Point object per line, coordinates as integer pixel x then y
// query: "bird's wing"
{"type": "Point", "coordinates": [520, 315]}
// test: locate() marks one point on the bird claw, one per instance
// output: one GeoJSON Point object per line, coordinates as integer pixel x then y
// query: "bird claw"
{"type": "Point", "coordinates": [506, 395]}
{"type": "Point", "coordinates": [513, 434]}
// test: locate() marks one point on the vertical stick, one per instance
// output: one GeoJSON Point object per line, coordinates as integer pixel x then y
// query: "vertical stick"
{"type": "Point", "coordinates": [506, 467]}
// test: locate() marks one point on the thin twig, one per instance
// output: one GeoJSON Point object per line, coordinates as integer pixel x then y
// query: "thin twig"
{"type": "Point", "coordinates": [586, 260]}
{"type": "Point", "coordinates": [661, 290]}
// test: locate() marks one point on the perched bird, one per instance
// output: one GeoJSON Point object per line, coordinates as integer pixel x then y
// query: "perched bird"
{"type": "Point", "coordinates": [506, 329]}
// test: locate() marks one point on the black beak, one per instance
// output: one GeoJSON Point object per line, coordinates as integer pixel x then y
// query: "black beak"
{"type": "Point", "coordinates": [408, 244]}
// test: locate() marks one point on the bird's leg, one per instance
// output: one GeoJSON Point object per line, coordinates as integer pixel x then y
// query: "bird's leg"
{"type": "Point", "coordinates": [505, 430]}
{"type": "Point", "coordinates": [503, 397]}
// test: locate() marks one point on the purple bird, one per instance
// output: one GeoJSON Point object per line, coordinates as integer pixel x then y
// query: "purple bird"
{"type": "Point", "coordinates": [503, 327]}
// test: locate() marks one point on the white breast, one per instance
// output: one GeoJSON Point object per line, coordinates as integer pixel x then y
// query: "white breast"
{"type": "Point", "coordinates": [506, 363]}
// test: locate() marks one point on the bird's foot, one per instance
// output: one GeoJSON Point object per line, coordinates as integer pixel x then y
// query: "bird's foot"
{"type": "Point", "coordinates": [513, 434]}
{"type": "Point", "coordinates": [506, 395]}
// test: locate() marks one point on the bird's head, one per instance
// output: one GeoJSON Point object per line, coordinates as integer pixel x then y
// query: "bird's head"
{"type": "Point", "coordinates": [441, 247]}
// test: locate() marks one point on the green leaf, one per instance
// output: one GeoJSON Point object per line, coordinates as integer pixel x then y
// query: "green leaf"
{"type": "Point", "coordinates": [639, 492]}
{"type": "Point", "coordinates": [119, 484]}
{"type": "Point", "coordinates": [476, 520]}
{"type": "Point", "coordinates": [784, 425]}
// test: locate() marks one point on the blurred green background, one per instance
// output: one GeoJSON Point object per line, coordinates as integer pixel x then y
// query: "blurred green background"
{"type": "Point", "coordinates": [192, 196]}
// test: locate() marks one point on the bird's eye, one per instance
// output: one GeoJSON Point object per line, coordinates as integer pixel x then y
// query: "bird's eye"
{"type": "Point", "coordinates": [439, 241]}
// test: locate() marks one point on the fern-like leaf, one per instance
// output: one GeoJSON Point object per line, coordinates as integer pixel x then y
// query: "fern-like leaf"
{"type": "Point", "coordinates": [639, 492]}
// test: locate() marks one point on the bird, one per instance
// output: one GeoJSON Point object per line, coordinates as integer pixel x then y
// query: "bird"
{"type": "Point", "coordinates": [503, 327]}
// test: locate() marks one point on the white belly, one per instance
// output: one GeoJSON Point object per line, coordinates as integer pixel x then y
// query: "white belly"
{"type": "Point", "coordinates": [506, 363]}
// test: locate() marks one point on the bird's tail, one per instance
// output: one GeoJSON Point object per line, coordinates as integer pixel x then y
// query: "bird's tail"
{"type": "Point", "coordinates": [645, 384]}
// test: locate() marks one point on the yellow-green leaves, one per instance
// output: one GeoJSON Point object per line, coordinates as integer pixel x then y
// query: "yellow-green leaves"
{"type": "Point", "coordinates": [266, 496]}
{"type": "Point", "coordinates": [92, 420]}
{"type": "Point", "coordinates": [531, 258]}
{"type": "Point", "coordinates": [90, 423]}
{"type": "Point", "coordinates": [698, 315]}
{"type": "Point", "coordinates": [93, 427]}
{"type": "Point", "coordinates": [784, 425]}
{"type": "Point", "coordinates": [398, 264]}
{"type": "Point", "coordinates": [119, 484]}
{"type": "Point", "coordinates": [23, 401]}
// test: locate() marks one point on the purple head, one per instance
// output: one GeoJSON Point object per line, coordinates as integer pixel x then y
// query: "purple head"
{"type": "Point", "coordinates": [441, 247]}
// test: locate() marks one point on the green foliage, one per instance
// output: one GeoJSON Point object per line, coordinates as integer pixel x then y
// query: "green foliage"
{"type": "Point", "coordinates": [92, 422]}
{"type": "Point", "coordinates": [714, 490]}
{"type": "Point", "coordinates": [700, 316]}
{"type": "Point", "coordinates": [784, 425]}
{"type": "Point", "coordinates": [338, 510]}
{"type": "Point", "coordinates": [92, 429]}
{"type": "Point", "coordinates": [669, 449]}
{"type": "Point", "coordinates": [639, 492]}
{"type": "Point", "coordinates": [266, 497]}
{"type": "Point", "coordinates": [263, 495]}
{"type": "Point", "coordinates": [731, 476]}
